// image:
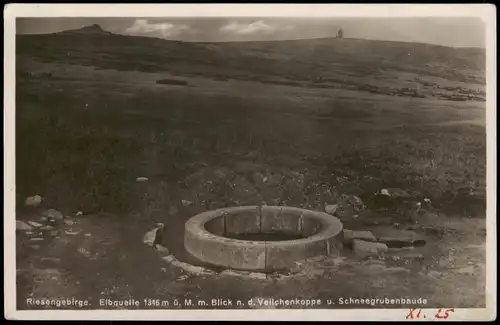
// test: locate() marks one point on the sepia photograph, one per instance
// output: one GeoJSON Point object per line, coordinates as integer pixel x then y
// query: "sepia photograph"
{"type": "Point", "coordinates": [325, 160]}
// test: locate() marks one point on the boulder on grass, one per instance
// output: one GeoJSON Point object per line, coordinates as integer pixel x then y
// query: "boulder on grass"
{"type": "Point", "coordinates": [331, 208]}
{"type": "Point", "coordinates": [33, 201]}
{"type": "Point", "coordinates": [21, 226]}
{"type": "Point", "coordinates": [53, 215]}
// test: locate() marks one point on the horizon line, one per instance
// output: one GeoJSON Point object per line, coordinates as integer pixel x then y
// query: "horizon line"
{"type": "Point", "coordinates": [251, 41]}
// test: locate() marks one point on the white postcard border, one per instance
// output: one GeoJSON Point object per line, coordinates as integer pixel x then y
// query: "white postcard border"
{"type": "Point", "coordinates": [485, 11]}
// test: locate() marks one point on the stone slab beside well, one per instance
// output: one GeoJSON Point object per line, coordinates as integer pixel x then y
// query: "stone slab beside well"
{"type": "Point", "coordinates": [363, 248]}
{"type": "Point", "coordinates": [205, 236]}
{"type": "Point", "coordinates": [350, 235]}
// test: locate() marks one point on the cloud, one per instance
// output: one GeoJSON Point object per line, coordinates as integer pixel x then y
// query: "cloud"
{"type": "Point", "coordinates": [258, 27]}
{"type": "Point", "coordinates": [164, 30]}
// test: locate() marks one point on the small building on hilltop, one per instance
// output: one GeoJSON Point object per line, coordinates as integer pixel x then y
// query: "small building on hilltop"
{"type": "Point", "coordinates": [340, 33]}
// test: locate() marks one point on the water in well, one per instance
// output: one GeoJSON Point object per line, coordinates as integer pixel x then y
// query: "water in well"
{"type": "Point", "coordinates": [263, 236]}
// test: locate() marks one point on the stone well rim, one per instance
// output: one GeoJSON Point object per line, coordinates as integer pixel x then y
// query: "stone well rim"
{"type": "Point", "coordinates": [331, 226]}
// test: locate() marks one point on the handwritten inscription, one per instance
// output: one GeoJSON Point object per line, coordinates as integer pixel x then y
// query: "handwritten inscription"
{"type": "Point", "coordinates": [441, 313]}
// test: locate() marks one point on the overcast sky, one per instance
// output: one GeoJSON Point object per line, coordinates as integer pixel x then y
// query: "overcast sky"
{"type": "Point", "coordinates": [456, 32]}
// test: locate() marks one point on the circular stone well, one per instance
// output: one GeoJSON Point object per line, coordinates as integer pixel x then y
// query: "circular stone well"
{"type": "Point", "coordinates": [212, 236]}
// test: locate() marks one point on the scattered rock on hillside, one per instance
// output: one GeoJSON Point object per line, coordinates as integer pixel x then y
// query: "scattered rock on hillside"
{"type": "Point", "coordinates": [331, 208]}
{"type": "Point", "coordinates": [390, 197]}
{"type": "Point", "coordinates": [21, 226]}
{"type": "Point", "coordinates": [53, 214]}
{"type": "Point", "coordinates": [84, 251]}
{"type": "Point", "coordinates": [34, 224]}
{"type": "Point", "coordinates": [162, 249]}
{"type": "Point", "coordinates": [435, 274]}
{"type": "Point", "coordinates": [72, 232]}
{"type": "Point", "coordinates": [33, 201]}
{"type": "Point", "coordinates": [404, 194]}
{"type": "Point", "coordinates": [384, 192]}
{"type": "Point", "coordinates": [149, 237]}
{"type": "Point", "coordinates": [468, 270]}
{"type": "Point", "coordinates": [192, 269]}
{"type": "Point", "coordinates": [245, 274]}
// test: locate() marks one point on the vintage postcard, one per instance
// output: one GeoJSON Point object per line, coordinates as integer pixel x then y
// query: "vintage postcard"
{"type": "Point", "coordinates": [250, 162]}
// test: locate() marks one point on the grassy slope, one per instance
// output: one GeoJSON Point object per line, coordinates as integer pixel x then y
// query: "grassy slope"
{"type": "Point", "coordinates": [85, 134]}
{"type": "Point", "coordinates": [338, 61]}
{"type": "Point", "coordinates": [399, 142]}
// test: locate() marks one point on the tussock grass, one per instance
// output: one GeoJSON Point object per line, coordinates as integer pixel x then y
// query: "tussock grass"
{"type": "Point", "coordinates": [92, 156]}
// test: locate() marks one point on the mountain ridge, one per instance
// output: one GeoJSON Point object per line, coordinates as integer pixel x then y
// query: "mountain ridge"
{"type": "Point", "coordinates": [336, 60]}
{"type": "Point", "coordinates": [96, 29]}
